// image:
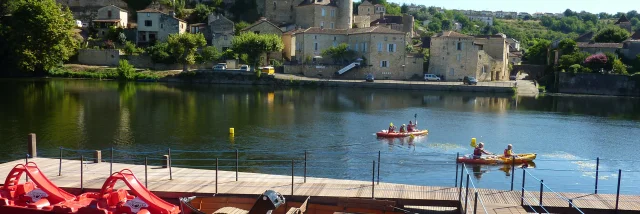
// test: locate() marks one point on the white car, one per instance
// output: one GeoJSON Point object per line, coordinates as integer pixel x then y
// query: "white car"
{"type": "Point", "coordinates": [245, 68]}
{"type": "Point", "coordinates": [220, 67]}
{"type": "Point", "coordinates": [431, 77]}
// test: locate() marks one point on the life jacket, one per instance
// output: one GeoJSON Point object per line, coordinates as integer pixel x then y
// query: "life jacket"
{"type": "Point", "coordinates": [507, 153]}
{"type": "Point", "coordinates": [477, 151]}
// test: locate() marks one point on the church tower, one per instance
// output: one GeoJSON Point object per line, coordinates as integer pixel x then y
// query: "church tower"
{"type": "Point", "coordinates": [345, 14]}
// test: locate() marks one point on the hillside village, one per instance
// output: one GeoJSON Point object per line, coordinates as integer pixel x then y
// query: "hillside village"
{"type": "Point", "coordinates": [406, 44]}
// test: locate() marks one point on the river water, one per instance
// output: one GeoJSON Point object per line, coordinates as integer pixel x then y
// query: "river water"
{"type": "Point", "coordinates": [335, 126]}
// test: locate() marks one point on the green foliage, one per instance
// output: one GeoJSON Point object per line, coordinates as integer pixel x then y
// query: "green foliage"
{"type": "Point", "coordinates": [160, 53]}
{"type": "Point", "coordinates": [239, 26]}
{"type": "Point", "coordinates": [184, 47]}
{"type": "Point", "coordinates": [114, 33]}
{"type": "Point", "coordinates": [393, 9]}
{"type": "Point", "coordinates": [619, 67]}
{"type": "Point", "coordinates": [131, 49]}
{"type": "Point", "coordinates": [256, 45]}
{"type": "Point", "coordinates": [209, 54]}
{"type": "Point", "coordinates": [537, 53]}
{"type": "Point", "coordinates": [611, 34]}
{"type": "Point", "coordinates": [90, 73]}
{"type": "Point", "coordinates": [245, 10]}
{"type": "Point", "coordinates": [38, 36]}
{"type": "Point", "coordinates": [339, 53]}
{"type": "Point", "coordinates": [229, 54]}
{"type": "Point", "coordinates": [569, 61]}
{"type": "Point", "coordinates": [201, 13]}
{"type": "Point", "coordinates": [568, 46]}
{"type": "Point", "coordinates": [125, 70]}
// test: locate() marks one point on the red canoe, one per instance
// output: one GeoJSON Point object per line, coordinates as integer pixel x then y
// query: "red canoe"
{"type": "Point", "coordinates": [385, 133]}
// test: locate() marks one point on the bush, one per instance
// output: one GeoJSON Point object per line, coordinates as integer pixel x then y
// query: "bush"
{"type": "Point", "coordinates": [160, 53]}
{"type": "Point", "coordinates": [126, 71]}
{"type": "Point", "coordinates": [130, 49]}
{"type": "Point", "coordinates": [208, 54]}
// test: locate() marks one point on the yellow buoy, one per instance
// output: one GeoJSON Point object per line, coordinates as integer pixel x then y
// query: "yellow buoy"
{"type": "Point", "coordinates": [473, 142]}
{"type": "Point", "coordinates": [231, 131]}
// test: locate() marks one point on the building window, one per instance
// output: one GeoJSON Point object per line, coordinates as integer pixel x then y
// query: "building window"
{"type": "Point", "coordinates": [274, 5]}
{"type": "Point", "coordinates": [332, 25]}
{"type": "Point", "coordinates": [356, 49]}
{"type": "Point", "coordinates": [148, 14]}
{"type": "Point", "coordinates": [459, 46]}
{"type": "Point", "coordinates": [479, 56]}
{"type": "Point", "coordinates": [315, 46]}
{"type": "Point", "coordinates": [458, 57]}
{"type": "Point", "coordinates": [291, 8]}
{"type": "Point", "coordinates": [333, 12]}
{"type": "Point", "coordinates": [323, 12]}
{"type": "Point", "coordinates": [148, 23]}
{"type": "Point", "coordinates": [364, 47]}
{"type": "Point", "coordinates": [321, 24]}
{"type": "Point", "coordinates": [161, 25]}
{"type": "Point", "coordinates": [384, 64]}
{"type": "Point", "coordinates": [315, 37]}
{"type": "Point", "coordinates": [484, 70]}
{"type": "Point", "coordinates": [109, 14]}
{"type": "Point", "coordinates": [225, 37]}
{"type": "Point", "coordinates": [334, 38]}
{"type": "Point", "coordinates": [379, 46]}
{"type": "Point", "coordinates": [392, 48]}
{"type": "Point", "coordinates": [335, 44]}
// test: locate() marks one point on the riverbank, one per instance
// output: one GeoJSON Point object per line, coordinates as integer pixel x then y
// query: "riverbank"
{"type": "Point", "coordinates": [277, 80]}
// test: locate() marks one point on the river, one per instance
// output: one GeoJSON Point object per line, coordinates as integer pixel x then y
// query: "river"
{"type": "Point", "coordinates": [335, 125]}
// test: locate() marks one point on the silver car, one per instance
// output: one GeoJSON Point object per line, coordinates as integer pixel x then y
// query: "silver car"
{"type": "Point", "coordinates": [220, 67]}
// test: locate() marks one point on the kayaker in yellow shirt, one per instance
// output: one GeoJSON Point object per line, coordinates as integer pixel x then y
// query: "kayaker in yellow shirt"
{"type": "Point", "coordinates": [508, 153]}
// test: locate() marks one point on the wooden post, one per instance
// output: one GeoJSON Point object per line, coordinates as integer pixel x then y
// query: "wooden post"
{"type": "Point", "coordinates": [541, 190]}
{"type": "Point", "coordinates": [60, 164]}
{"type": "Point", "coordinates": [461, 179]}
{"type": "Point", "coordinates": [97, 156]}
{"type": "Point", "coordinates": [513, 170]}
{"type": "Point", "coordinates": [169, 163]}
{"type": "Point", "coordinates": [524, 175]}
{"type": "Point", "coordinates": [378, 166]}
{"type": "Point", "coordinates": [237, 160]}
{"type": "Point", "coordinates": [373, 177]}
{"type": "Point", "coordinates": [618, 192]}
{"type": "Point", "coordinates": [475, 203]}
{"type": "Point", "coordinates": [32, 151]}
{"type": "Point", "coordinates": [305, 166]}
{"type": "Point", "coordinates": [26, 161]}
{"type": "Point", "coordinates": [216, 175]}
{"type": "Point", "coordinates": [82, 173]}
{"type": "Point", "coordinates": [597, 171]}
{"type": "Point", "coordinates": [466, 197]}
{"type": "Point", "coordinates": [292, 178]}
{"type": "Point", "coordinates": [146, 185]}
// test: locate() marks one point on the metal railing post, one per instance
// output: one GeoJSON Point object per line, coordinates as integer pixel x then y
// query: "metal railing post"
{"type": "Point", "coordinates": [237, 160]}
{"type": "Point", "coordinates": [146, 178]}
{"type": "Point", "coordinates": [466, 197]}
{"type": "Point", "coordinates": [378, 167]}
{"type": "Point", "coordinates": [292, 178]}
{"type": "Point", "coordinates": [60, 164]}
{"type": "Point", "coordinates": [305, 166]}
{"type": "Point", "coordinates": [524, 175]}
{"type": "Point", "coordinates": [82, 173]}
{"type": "Point", "coordinates": [475, 204]}
{"type": "Point", "coordinates": [170, 174]}
{"type": "Point", "coordinates": [513, 170]}
{"type": "Point", "coordinates": [541, 190]}
{"type": "Point", "coordinates": [570, 203]}
{"type": "Point", "coordinates": [111, 162]}
{"type": "Point", "coordinates": [461, 179]}
{"type": "Point", "coordinates": [216, 175]}
{"type": "Point", "coordinates": [597, 172]}
{"type": "Point", "coordinates": [373, 176]}
{"type": "Point", "coordinates": [26, 161]}
{"type": "Point", "coordinates": [456, 182]}
{"type": "Point", "coordinates": [618, 191]}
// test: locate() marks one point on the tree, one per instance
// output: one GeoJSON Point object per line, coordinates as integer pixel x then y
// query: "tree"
{"type": "Point", "coordinates": [432, 10]}
{"type": "Point", "coordinates": [596, 62]}
{"type": "Point", "coordinates": [209, 54]}
{"type": "Point", "coordinates": [632, 14]}
{"type": "Point", "coordinates": [568, 61]}
{"type": "Point", "coordinates": [604, 15]}
{"type": "Point", "coordinates": [568, 46]}
{"type": "Point", "coordinates": [256, 45]}
{"type": "Point", "coordinates": [126, 71]}
{"type": "Point", "coordinates": [635, 21]}
{"type": "Point", "coordinates": [404, 8]}
{"type": "Point", "coordinates": [239, 26]}
{"type": "Point", "coordinates": [160, 53]}
{"type": "Point", "coordinates": [339, 53]}
{"type": "Point", "coordinates": [619, 67]}
{"type": "Point", "coordinates": [537, 53]}
{"type": "Point", "coordinates": [184, 47]}
{"type": "Point", "coordinates": [611, 34]}
{"type": "Point", "coordinates": [569, 12]}
{"type": "Point", "coordinates": [130, 48]}
{"type": "Point", "coordinates": [201, 13]}
{"type": "Point", "coordinates": [39, 35]}
{"type": "Point", "coordinates": [447, 24]}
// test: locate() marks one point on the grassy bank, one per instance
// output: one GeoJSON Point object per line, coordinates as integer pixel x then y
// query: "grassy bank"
{"type": "Point", "coordinates": [107, 73]}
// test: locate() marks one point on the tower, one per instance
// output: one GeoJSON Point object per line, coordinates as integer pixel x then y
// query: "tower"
{"type": "Point", "coordinates": [345, 14]}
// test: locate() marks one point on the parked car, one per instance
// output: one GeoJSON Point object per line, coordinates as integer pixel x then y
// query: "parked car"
{"type": "Point", "coordinates": [85, 25]}
{"type": "Point", "coordinates": [469, 80]}
{"type": "Point", "coordinates": [220, 67]}
{"type": "Point", "coordinates": [369, 78]}
{"type": "Point", "coordinates": [431, 77]}
{"type": "Point", "coordinates": [513, 77]}
{"type": "Point", "coordinates": [245, 68]}
{"type": "Point", "coordinates": [268, 70]}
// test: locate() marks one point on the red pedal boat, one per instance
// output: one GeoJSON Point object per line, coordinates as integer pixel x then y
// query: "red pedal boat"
{"type": "Point", "coordinates": [387, 134]}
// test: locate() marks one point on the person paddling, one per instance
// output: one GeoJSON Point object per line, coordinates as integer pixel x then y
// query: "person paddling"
{"type": "Point", "coordinates": [410, 127]}
{"type": "Point", "coordinates": [508, 152]}
{"type": "Point", "coordinates": [479, 150]}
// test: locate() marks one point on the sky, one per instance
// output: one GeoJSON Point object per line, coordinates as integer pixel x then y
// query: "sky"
{"type": "Point", "coordinates": [532, 6]}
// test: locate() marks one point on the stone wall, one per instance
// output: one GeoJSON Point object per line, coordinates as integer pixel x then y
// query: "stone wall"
{"type": "Point", "coordinates": [534, 71]}
{"type": "Point", "coordinates": [598, 84]}
{"type": "Point", "coordinates": [413, 68]}
{"type": "Point", "coordinates": [108, 57]}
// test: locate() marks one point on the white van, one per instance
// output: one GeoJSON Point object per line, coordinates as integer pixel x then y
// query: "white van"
{"type": "Point", "coordinates": [431, 77]}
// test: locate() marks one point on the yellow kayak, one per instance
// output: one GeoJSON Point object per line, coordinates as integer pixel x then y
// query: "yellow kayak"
{"type": "Point", "coordinates": [497, 159]}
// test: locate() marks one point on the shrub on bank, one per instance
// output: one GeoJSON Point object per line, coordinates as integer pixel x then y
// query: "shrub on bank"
{"type": "Point", "coordinates": [100, 73]}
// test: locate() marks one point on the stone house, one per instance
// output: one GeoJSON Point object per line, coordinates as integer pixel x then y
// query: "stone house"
{"type": "Point", "coordinates": [631, 46]}
{"type": "Point", "coordinates": [488, 20]}
{"type": "Point", "coordinates": [310, 13]}
{"type": "Point", "coordinates": [263, 26]}
{"type": "Point", "coordinates": [380, 8]}
{"type": "Point", "coordinates": [454, 55]}
{"type": "Point", "coordinates": [624, 23]}
{"type": "Point", "coordinates": [109, 16]}
{"type": "Point", "coordinates": [402, 23]}
{"type": "Point", "coordinates": [381, 50]}
{"type": "Point", "coordinates": [221, 31]}
{"type": "Point", "coordinates": [155, 25]}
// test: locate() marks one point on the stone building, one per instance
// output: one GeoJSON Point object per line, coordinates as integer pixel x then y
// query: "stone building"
{"type": "Point", "coordinates": [595, 48]}
{"type": "Point", "coordinates": [624, 23]}
{"type": "Point", "coordinates": [402, 23]}
{"type": "Point", "coordinates": [488, 20]}
{"type": "Point", "coordinates": [155, 25]}
{"type": "Point", "coordinates": [454, 55]}
{"type": "Point", "coordinates": [381, 50]}
{"type": "Point", "coordinates": [631, 46]}
{"type": "Point", "coordinates": [110, 16]}
{"type": "Point", "coordinates": [263, 26]}
{"type": "Point", "coordinates": [222, 31]}
{"type": "Point", "coordinates": [310, 13]}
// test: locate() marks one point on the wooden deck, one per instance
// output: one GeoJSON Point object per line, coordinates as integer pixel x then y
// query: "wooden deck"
{"type": "Point", "coordinates": [202, 182]}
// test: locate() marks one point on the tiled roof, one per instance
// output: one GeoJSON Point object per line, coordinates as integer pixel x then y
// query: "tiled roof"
{"type": "Point", "coordinates": [452, 34]}
{"type": "Point", "coordinates": [388, 20]}
{"type": "Point", "coordinates": [366, 3]}
{"type": "Point", "coordinates": [117, 8]}
{"type": "Point", "coordinates": [636, 35]}
{"type": "Point", "coordinates": [318, 2]}
{"type": "Point", "coordinates": [622, 19]}
{"type": "Point", "coordinates": [599, 45]}
{"type": "Point", "coordinates": [106, 20]}
{"type": "Point", "coordinates": [376, 29]}
{"type": "Point", "coordinates": [151, 10]}
{"type": "Point", "coordinates": [198, 24]}
{"type": "Point", "coordinates": [260, 22]}
{"type": "Point", "coordinates": [585, 37]}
